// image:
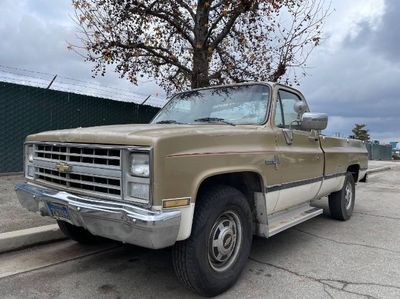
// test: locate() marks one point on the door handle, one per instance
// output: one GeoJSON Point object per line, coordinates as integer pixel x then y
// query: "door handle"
{"type": "Point", "coordinates": [288, 134]}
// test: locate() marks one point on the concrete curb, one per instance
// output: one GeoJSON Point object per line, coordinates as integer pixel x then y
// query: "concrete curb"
{"type": "Point", "coordinates": [28, 237]}
{"type": "Point", "coordinates": [379, 169]}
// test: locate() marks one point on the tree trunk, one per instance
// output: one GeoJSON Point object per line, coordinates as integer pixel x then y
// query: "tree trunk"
{"type": "Point", "coordinates": [279, 72]}
{"type": "Point", "coordinates": [200, 70]}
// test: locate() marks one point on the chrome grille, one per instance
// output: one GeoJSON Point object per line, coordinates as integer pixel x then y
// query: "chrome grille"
{"type": "Point", "coordinates": [93, 169]}
{"type": "Point", "coordinates": [100, 156]}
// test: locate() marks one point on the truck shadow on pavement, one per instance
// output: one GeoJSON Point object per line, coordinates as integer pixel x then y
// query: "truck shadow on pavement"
{"type": "Point", "coordinates": [148, 272]}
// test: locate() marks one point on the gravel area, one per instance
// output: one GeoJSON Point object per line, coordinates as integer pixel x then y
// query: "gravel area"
{"type": "Point", "coordinates": [12, 215]}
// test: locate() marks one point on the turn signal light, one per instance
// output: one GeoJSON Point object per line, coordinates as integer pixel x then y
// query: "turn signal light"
{"type": "Point", "coordinates": [173, 203]}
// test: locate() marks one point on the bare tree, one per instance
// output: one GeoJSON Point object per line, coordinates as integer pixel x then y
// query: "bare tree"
{"type": "Point", "coordinates": [195, 43]}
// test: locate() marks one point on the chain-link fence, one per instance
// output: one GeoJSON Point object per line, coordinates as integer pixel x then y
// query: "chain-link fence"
{"type": "Point", "coordinates": [26, 110]}
{"type": "Point", "coordinates": [379, 152]}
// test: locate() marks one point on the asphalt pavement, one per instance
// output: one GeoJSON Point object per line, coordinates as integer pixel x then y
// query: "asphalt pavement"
{"type": "Point", "coordinates": [12, 215]}
{"type": "Point", "coordinates": [321, 258]}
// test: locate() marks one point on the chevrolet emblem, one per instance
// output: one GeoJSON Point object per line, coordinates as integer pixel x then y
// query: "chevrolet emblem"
{"type": "Point", "coordinates": [63, 167]}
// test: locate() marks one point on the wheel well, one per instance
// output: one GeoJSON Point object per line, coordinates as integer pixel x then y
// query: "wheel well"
{"type": "Point", "coordinates": [354, 170]}
{"type": "Point", "coordinates": [245, 182]}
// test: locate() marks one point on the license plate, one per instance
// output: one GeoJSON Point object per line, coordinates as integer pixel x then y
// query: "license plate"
{"type": "Point", "coordinates": [59, 211]}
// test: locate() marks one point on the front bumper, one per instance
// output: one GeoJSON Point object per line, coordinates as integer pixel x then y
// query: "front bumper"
{"type": "Point", "coordinates": [114, 220]}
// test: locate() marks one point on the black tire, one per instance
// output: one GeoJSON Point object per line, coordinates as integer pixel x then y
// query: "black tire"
{"type": "Point", "coordinates": [202, 270]}
{"type": "Point", "coordinates": [78, 234]}
{"type": "Point", "coordinates": [341, 203]}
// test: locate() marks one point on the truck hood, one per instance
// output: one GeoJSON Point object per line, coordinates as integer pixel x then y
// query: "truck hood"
{"type": "Point", "coordinates": [134, 134]}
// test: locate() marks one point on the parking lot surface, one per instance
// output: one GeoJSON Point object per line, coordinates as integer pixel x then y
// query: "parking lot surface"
{"type": "Point", "coordinates": [321, 258]}
{"type": "Point", "coordinates": [12, 215]}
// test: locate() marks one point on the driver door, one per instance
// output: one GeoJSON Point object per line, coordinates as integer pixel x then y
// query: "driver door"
{"type": "Point", "coordinates": [300, 156]}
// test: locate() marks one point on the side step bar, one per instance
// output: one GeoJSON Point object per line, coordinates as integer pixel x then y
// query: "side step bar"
{"type": "Point", "coordinates": [291, 217]}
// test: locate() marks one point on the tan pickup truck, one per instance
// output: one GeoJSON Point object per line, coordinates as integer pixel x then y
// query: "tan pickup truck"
{"type": "Point", "coordinates": [214, 167]}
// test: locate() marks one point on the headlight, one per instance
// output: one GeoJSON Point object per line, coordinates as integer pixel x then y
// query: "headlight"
{"type": "Point", "coordinates": [29, 153]}
{"type": "Point", "coordinates": [137, 176]}
{"type": "Point", "coordinates": [140, 165]}
{"type": "Point", "coordinates": [29, 168]}
{"type": "Point", "coordinates": [139, 190]}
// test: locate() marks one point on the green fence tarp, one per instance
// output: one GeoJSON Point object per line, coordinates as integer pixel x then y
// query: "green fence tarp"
{"type": "Point", "coordinates": [26, 110]}
{"type": "Point", "coordinates": [379, 152]}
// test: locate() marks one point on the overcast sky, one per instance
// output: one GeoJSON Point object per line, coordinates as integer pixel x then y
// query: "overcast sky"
{"type": "Point", "coordinates": [354, 75]}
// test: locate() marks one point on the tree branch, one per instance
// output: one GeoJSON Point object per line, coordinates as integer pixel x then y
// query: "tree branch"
{"type": "Point", "coordinates": [226, 30]}
{"type": "Point", "coordinates": [171, 59]}
{"type": "Point", "coordinates": [165, 16]}
{"type": "Point", "coordinates": [187, 7]}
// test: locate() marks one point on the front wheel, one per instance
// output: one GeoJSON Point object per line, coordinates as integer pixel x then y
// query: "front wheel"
{"type": "Point", "coordinates": [341, 203]}
{"type": "Point", "coordinates": [211, 260]}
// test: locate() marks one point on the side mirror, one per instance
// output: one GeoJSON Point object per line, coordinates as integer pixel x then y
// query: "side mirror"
{"type": "Point", "coordinates": [314, 121]}
{"type": "Point", "coordinates": [300, 107]}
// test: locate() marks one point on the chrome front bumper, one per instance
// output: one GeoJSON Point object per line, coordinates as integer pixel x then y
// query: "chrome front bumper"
{"type": "Point", "coordinates": [114, 220]}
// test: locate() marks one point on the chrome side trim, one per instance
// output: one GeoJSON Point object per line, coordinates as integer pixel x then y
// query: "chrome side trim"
{"type": "Point", "coordinates": [119, 221]}
{"type": "Point", "coordinates": [302, 182]}
{"type": "Point", "coordinates": [293, 184]}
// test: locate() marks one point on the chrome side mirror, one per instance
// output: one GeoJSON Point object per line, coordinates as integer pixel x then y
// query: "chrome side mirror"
{"type": "Point", "coordinates": [300, 107]}
{"type": "Point", "coordinates": [314, 121]}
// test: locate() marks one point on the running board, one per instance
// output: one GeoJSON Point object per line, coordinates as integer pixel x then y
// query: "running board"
{"type": "Point", "coordinates": [291, 217]}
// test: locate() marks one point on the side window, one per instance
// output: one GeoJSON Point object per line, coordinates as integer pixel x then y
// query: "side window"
{"type": "Point", "coordinates": [289, 115]}
{"type": "Point", "coordinates": [278, 114]}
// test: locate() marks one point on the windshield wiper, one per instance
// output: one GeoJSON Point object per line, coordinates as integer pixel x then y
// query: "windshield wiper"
{"type": "Point", "coordinates": [168, 121]}
{"type": "Point", "coordinates": [214, 120]}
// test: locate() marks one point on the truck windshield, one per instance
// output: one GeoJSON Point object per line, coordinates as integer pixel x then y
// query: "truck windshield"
{"type": "Point", "coordinates": [234, 105]}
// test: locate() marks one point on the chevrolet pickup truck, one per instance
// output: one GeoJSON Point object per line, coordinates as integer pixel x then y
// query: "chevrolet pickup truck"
{"type": "Point", "coordinates": [214, 167]}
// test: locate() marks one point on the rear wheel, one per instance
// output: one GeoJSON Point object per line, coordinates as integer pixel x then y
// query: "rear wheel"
{"type": "Point", "coordinates": [78, 234]}
{"type": "Point", "coordinates": [341, 203]}
{"type": "Point", "coordinates": [211, 260]}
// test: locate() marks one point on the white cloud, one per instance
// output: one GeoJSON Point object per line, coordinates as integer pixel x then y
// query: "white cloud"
{"type": "Point", "coordinates": [351, 77]}
{"type": "Point", "coordinates": [346, 17]}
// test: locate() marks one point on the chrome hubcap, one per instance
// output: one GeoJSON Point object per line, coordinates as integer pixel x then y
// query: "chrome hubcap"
{"type": "Point", "coordinates": [224, 241]}
{"type": "Point", "coordinates": [348, 195]}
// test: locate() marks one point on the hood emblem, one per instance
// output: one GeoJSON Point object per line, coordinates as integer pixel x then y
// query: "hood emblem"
{"type": "Point", "coordinates": [63, 167]}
